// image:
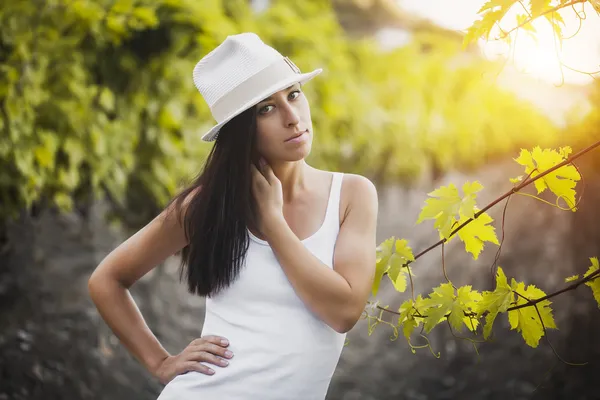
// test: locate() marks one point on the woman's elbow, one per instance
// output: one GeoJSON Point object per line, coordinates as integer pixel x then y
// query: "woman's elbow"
{"type": "Point", "coordinates": [97, 284]}
{"type": "Point", "coordinates": [100, 284]}
{"type": "Point", "coordinates": [347, 321]}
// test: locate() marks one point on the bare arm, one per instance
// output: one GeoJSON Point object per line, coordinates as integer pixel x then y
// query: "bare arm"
{"type": "Point", "coordinates": [110, 282]}
{"type": "Point", "coordinates": [109, 289]}
{"type": "Point", "coordinates": [338, 296]}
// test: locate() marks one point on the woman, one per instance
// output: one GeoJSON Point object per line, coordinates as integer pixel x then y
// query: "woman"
{"type": "Point", "coordinates": [284, 253]}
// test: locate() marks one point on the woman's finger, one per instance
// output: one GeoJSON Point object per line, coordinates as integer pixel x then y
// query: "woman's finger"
{"type": "Point", "coordinates": [207, 357]}
{"type": "Point", "coordinates": [218, 340]}
{"type": "Point", "coordinates": [257, 176]}
{"type": "Point", "coordinates": [269, 174]}
{"type": "Point", "coordinates": [198, 367]}
{"type": "Point", "coordinates": [211, 348]}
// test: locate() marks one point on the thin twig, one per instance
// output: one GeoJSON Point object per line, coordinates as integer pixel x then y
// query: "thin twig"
{"type": "Point", "coordinates": [573, 286]}
{"type": "Point", "coordinates": [444, 266]}
{"type": "Point", "coordinates": [548, 11]}
{"type": "Point", "coordinates": [497, 257]}
{"type": "Point", "coordinates": [546, 332]}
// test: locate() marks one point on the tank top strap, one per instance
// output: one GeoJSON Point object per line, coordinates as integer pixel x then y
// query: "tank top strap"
{"type": "Point", "coordinates": [332, 217]}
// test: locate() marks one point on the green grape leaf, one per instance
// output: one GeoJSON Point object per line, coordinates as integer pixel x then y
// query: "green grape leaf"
{"type": "Point", "coordinates": [561, 181]}
{"type": "Point", "coordinates": [595, 283]}
{"type": "Point", "coordinates": [396, 273]}
{"type": "Point", "coordinates": [465, 302]}
{"type": "Point", "coordinates": [404, 251]}
{"type": "Point", "coordinates": [63, 201]}
{"type": "Point", "coordinates": [397, 264]}
{"type": "Point", "coordinates": [494, 302]}
{"type": "Point", "coordinates": [538, 6]}
{"type": "Point", "coordinates": [146, 16]}
{"type": "Point", "coordinates": [471, 323]}
{"type": "Point", "coordinates": [456, 316]}
{"type": "Point", "coordinates": [596, 5]}
{"type": "Point", "coordinates": [476, 233]}
{"type": "Point", "coordinates": [442, 207]}
{"type": "Point", "coordinates": [572, 278]}
{"type": "Point", "coordinates": [407, 316]}
{"type": "Point", "coordinates": [384, 252]}
{"type": "Point", "coordinates": [489, 322]}
{"type": "Point", "coordinates": [107, 99]}
{"type": "Point", "coordinates": [493, 11]}
{"type": "Point", "coordinates": [491, 4]}
{"type": "Point", "coordinates": [443, 300]}
{"type": "Point", "coordinates": [558, 17]}
{"type": "Point", "coordinates": [525, 23]}
{"type": "Point", "coordinates": [392, 257]}
{"type": "Point", "coordinates": [439, 303]}
{"type": "Point", "coordinates": [526, 319]}
{"type": "Point", "coordinates": [467, 206]}
{"type": "Point", "coordinates": [445, 206]}
{"type": "Point", "coordinates": [409, 326]}
{"type": "Point", "coordinates": [469, 297]}
{"type": "Point", "coordinates": [516, 179]}
{"type": "Point", "coordinates": [45, 152]}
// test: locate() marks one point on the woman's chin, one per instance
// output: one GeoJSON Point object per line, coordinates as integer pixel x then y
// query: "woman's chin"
{"type": "Point", "coordinates": [298, 154]}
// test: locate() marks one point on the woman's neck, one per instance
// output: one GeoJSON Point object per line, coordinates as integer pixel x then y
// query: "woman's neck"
{"type": "Point", "coordinates": [293, 176]}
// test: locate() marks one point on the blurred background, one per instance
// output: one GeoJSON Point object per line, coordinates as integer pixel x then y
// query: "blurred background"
{"type": "Point", "coordinates": [100, 124]}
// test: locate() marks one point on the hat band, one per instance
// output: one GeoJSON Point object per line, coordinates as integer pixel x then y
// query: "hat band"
{"type": "Point", "coordinates": [246, 91]}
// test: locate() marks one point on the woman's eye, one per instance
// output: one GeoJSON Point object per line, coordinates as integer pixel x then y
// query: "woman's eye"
{"type": "Point", "coordinates": [295, 94]}
{"type": "Point", "coordinates": [264, 109]}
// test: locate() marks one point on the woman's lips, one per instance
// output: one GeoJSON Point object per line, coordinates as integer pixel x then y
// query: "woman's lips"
{"type": "Point", "coordinates": [298, 138]}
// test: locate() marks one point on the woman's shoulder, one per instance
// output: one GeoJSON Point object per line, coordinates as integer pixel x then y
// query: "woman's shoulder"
{"type": "Point", "coordinates": [356, 191]}
{"type": "Point", "coordinates": [355, 183]}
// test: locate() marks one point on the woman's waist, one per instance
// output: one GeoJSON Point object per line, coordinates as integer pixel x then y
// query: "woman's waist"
{"type": "Point", "coordinates": [266, 333]}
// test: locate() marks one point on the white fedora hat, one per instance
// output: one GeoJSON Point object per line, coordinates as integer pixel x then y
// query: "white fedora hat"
{"type": "Point", "coordinates": [240, 73]}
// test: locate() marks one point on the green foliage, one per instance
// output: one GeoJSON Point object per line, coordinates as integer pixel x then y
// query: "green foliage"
{"type": "Point", "coordinates": [561, 182]}
{"type": "Point", "coordinates": [526, 306]}
{"type": "Point", "coordinates": [595, 283]}
{"type": "Point", "coordinates": [531, 321]}
{"type": "Point", "coordinates": [96, 98]}
{"type": "Point", "coordinates": [450, 211]}
{"type": "Point", "coordinates": [392, 259]}
{"type": "Point", "coordinates": [493, 12]}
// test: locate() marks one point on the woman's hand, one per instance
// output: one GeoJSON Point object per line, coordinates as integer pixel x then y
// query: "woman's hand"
{"type": "Point", "coordinates": [267, 191]}
{"type": "Point", "coordinates": [207, 349]}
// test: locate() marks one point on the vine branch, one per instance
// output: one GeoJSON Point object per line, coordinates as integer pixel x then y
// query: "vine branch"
{"type": "Point", "coordinates": [572, 286]}
{"type": "Point", "coordinates": [512, 191]}
{"type": "Point", "coordinates": [531, 18]}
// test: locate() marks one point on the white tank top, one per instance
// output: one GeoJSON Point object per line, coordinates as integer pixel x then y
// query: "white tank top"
{"type": "Point", "coordinates": [281, 349]}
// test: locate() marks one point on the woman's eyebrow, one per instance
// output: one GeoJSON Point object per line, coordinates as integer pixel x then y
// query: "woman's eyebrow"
{"type": "Point", "coordinates": [271, 98]}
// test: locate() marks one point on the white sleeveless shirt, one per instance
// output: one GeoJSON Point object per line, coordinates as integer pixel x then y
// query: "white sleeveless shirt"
{"type": "Point", "coordinates": [281, 349]}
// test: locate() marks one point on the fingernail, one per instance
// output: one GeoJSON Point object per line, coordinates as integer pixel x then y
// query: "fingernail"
{"type": "Point", "coordinates": [225, 362]}
{"type": "Point", "coordinates": [224, 342]}
{"type": "Point", "coordinates": [228, 353]}
{"type": "Point", "coordinates": [210, 371]}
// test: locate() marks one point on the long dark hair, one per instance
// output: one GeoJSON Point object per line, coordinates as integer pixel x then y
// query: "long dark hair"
{"type": "Point", "coordinates": [219, 209]}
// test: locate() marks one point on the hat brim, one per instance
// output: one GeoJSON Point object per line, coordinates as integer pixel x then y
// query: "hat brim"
{"type": "Point", "coordinates": [211, 135]}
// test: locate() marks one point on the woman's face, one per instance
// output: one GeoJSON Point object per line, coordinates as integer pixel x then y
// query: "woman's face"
{"type": "Point", "coordinates": [284, 126]}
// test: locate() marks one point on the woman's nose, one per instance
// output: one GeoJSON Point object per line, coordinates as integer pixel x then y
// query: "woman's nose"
{"type": "Point", "coordinates": [291, 117]}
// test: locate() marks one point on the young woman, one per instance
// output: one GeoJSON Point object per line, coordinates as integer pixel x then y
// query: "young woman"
{"type": "Point", "coordinates": [283, 252]}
